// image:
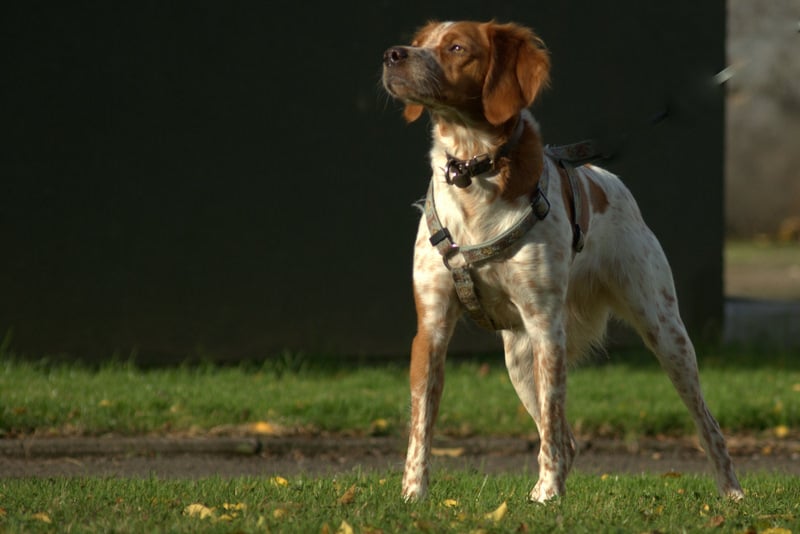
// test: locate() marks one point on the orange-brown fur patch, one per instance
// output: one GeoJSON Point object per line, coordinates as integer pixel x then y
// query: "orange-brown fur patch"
{"type": "Point", "coordinates": [597, 196]}
{"type": "Point", "coordinates": [521, 176]}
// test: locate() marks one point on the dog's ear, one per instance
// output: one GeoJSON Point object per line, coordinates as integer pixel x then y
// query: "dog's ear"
{"type": "Point", "coordinates": [412, 112]}
{"type": "Point", "coordinates": [519, 66]}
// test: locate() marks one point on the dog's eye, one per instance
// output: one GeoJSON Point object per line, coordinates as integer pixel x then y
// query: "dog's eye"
{"type": "Point", "coordinates": [457, 48]}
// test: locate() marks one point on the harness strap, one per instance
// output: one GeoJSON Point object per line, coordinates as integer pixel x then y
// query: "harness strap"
{"type": "Point", "coordinates": [568, 157]}
{"type": "Point", "coordinates": [474, 254]}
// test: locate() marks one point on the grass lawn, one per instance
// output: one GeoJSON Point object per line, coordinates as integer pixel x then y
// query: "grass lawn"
{"type": "Point", "coordinates": [750, 392]}
{"type": "Point", "coordinates": [369, 503]}
{"type": "Point", "coordinates": [762, 269]}
{"type": "Point", "coordinates": [628, 396]}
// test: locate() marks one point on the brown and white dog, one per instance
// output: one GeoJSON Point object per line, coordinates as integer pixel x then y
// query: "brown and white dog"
{"type": "Point", "coordinates": [549, 297]}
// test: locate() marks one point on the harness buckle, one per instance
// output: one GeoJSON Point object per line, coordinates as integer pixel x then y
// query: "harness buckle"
{"type": "Point", "coordinates": [440, 236]}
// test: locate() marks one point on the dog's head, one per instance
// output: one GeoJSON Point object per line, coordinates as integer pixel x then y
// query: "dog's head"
{"type": "Point", "coordinates": [467, 71]}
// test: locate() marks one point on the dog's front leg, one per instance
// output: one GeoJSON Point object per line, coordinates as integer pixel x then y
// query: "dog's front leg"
{"type": "Point", "coordinates": [550, 375]}
{"type": "Point", "coordinates": [437, 314]}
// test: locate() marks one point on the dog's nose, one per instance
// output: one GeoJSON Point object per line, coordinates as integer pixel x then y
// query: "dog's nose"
{"type": "Point", "coordinates": [395, 55]}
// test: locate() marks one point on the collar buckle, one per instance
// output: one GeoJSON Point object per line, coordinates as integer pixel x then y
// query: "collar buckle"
{"type": "Point", "coordinates": [459, 172]}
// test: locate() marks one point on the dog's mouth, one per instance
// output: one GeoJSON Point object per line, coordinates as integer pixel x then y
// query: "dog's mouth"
{"type": "Point", "coordinates": [399, 87]}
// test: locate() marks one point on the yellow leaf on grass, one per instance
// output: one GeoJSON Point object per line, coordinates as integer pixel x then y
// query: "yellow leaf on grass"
{"type": "Point", "coordinates": [379, 426]}
{"type": "Point", "coordinates": [345, 528]}
{"type": "Point", "coordinates": [498, 514]}
{"type": "Point", "coordinates": [781, 431]}
{"type": "Point", "coordinates": [105, 403]}
{"type": "Point", "coordinates": [450, 503]}
{"type": "Point", "coordinates": [234, 507]}
{"type": "Point", "coordinates": [279, 481]}
{"type": "Point", "coordinates": [776, 530]}
{"type": "Point", "coordinates": [198, 510]}
{"type": "Point", "coordinates": [43, 517]}
{"type": "Point", "coordinates": [348, 495]}
{"type": "Point", "coordinates": [453, 452]}
{"type": "Point", "coordinates": [278, 513]}
{"type": "Point", "coordinates": [263, 428]}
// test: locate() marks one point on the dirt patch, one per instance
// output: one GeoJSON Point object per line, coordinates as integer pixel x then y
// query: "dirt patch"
{"type": "Point", "coordinates": [238, 456]}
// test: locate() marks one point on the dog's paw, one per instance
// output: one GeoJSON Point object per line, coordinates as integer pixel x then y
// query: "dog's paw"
{"type": "Point", "coordinates": [414, 491]}
{"type": "Point", "coordinates": [543, 492]}
{"type": "Point", "coordinates": [734, 494]}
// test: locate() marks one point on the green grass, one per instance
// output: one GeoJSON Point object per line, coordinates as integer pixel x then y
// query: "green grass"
{"type": "Point", "coordinates": [750, 391]}
{"type": "Point", "coordinates": [628, 398]}
{"type": "Point", "coordinates": [369, 503]}
{"type": "Point", "coordinates": [762, 253]}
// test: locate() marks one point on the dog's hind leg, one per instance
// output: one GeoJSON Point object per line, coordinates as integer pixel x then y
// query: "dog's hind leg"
{"type": "Point", "coordinates": [650, 305]}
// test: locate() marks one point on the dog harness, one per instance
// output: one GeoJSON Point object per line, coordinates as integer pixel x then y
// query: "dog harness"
{"type": "Point", "coordinates": [460, 174]}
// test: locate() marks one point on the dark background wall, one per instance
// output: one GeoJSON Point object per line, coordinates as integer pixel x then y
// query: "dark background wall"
{"type": "Point", "coordinates": [228, 180]}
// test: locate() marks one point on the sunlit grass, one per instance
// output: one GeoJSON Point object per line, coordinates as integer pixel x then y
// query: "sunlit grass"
{"type": "Point", "coordinates": [631, 397]}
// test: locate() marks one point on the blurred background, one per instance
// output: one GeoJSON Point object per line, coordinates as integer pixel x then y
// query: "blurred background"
{"type": "Point", "coordinates": [762, 172]}
{"type": "Point", "coordinates": [228, 181]}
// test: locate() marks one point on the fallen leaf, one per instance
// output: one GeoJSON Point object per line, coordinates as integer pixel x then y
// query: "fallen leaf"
{"type": "Point", "coordinates": [278, 513]}
{"type": "Point", "coordinates": [263, 428]}
{"type": "Point", "coordinates": [43, 517]}
{"type": "Point", "coordinates": [234, 507]}
{"type": "Point", "coordinates": [198, 510]}
{"type": "Point", "coordinates": [498, 513]}
{"type": "Point", "coordinates": [781, 431]}
{"type": "Point", "coordinates": [105, 403]}
{"type": "Point", "coordinates": [453, 452]}
{"type": "Point", "coordinates": [776, 530]}
{"type": "Point", "coordinates": [279, 481]}
{"type": "Point", "coordinates": [226, 517]}
{"type": "Point", "coordinates": [379, 427]}
{"type": "Point", "coordinates": [348, 495]}
{"type": "Point", "coordinates": [450, 503]}
{"type": "Point", "coordinates": [671, 474]}
{"type": "Point", "coordinates": [344, 528]}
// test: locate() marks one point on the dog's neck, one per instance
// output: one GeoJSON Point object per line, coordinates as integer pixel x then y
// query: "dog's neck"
{"type": "Point", "coordinates": [515, 148]}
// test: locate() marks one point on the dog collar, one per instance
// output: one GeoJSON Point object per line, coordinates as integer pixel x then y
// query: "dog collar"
{"type": "Point", "coordinates": [460, 172]}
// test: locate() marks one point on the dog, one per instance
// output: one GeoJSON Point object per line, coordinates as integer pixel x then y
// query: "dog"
{"type": "Point", "coordinates": [528, 240]}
